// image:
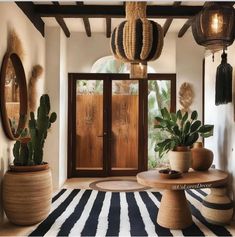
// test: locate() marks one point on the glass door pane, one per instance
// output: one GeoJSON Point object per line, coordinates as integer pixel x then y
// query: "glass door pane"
{"type": "Point", "coordinates": [89, 125]}
{"type": "Point", "coordinates": [159, 96]}
{"type": "Point", "coordinates": [125, 132]}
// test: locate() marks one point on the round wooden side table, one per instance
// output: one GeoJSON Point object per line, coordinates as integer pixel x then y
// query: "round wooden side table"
{"type": "Point", "coordinates": [174, 211]}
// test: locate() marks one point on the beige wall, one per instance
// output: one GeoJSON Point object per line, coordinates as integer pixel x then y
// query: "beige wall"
{"type": "Point", "coordinates": [189, 59]}
{"type": "Point", "coordinates": [223, 117]}
{"type": "Point", "coordinates": [57, 87]}
{"type": "Point", "coordinates": [83, 51]}
{"type": "Point", "coordinates": [34, 47]}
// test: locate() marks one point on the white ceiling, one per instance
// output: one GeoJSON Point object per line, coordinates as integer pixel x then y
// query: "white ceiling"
{"type": "Point", "coordinates": [99, 24]}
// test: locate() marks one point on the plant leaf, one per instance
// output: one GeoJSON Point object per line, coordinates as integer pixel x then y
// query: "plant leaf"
{"type": "Point", "coordinates": [194, 115]}
{"type": "Point", "coordinates": [173, 117]}
{"type": "Point", "coordinates": [179, 114]}
{"type": "Point", "coordinates": [163, 147]}
{"type": "Point", "coordinates": [165, 113]}
{"type": "Point", "coordinates": [159, 119]}
{"type": "Point", "coordinates": [205, 135]}
{"type": "Point", "coordinates": [206, 128]}
{"type": "Point", "coordinates": [187, 127]}
{"type": "Point", "coordinates": [195, 126]}
{"type": "Point", "coordinates": [176, 130]}
{"type": "Point", "coordinates": [158, 126]}
{"type": "Point", "coordinates": [185, 117]}
{"type": "Point", "coordinates": [191, 139]}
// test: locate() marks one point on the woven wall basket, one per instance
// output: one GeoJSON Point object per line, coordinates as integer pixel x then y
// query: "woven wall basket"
{"type": "Point", "coordinates": [137, 39]}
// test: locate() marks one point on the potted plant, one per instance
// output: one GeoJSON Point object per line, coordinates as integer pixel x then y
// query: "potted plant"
{"type": "Point", "coordinates": [183, 131]}
{"type": "Point", "coordinates": [27, 186]}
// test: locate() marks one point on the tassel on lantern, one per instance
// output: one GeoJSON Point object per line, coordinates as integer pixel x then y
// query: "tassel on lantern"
{"type": "Point", "coordinates": [223, 87]}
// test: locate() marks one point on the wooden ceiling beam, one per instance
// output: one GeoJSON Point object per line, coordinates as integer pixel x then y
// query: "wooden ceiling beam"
{"type": "Point", "coordinates": [87, 26]}
{"type": "Point", "coordinates": [86, 21]}
{"type": "Point", "coordinates": [168, 21]}
{"type": "Point", "coordinates": [113, 11]}
{"type": "Point", "coordinates": [108, 27]}
{"type": "Point", "coordinates": [61, 22]}
{"type": "Point", "coordinates": [29, 11]}
{"type": "Point", "coordinates": [185, 27]}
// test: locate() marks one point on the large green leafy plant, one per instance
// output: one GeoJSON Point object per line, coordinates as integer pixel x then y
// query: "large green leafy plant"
{"type": "Point", "coordinates": [28, 150]}
{"type": "Point", "coordinates": [182, 129]}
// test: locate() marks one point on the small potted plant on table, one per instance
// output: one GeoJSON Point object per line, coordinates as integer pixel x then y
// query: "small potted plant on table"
{"type": "Point", "coordinates": [27, 186]}
{"type": "Point", "coordinates": [183, 130]}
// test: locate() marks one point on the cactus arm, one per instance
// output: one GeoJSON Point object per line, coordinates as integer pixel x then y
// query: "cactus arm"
{"type": "Point", "coordinates": [24, 154]}
{"type": "Point", "coordinates": [16, 153]}
{"type": "Point", "coordinates": [53, 117]}
{"type": "Point", "coordinates": [30, 154]}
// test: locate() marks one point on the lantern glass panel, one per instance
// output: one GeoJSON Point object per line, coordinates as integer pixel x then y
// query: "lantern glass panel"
{"type": "Point", "coordinates": [214, 26]}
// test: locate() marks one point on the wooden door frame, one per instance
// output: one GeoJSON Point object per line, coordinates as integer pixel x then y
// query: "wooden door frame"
{"type": "Point", "coordinates": [143, 126]}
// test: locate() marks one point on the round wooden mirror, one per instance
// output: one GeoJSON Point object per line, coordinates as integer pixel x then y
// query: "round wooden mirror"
{"type": "Point", "coordinates": [13, 95]}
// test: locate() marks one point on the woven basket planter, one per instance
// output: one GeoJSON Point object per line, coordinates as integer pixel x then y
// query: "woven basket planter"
{"type": "Point", "coordinates": [27, 195]}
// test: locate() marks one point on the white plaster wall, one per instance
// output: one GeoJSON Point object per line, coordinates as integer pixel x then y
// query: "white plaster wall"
{"type": "Point", "coordinates": [83, 51]}
{"type": "Point", "coordinates": [34, 46]}
{"type": "Point", "coordinates": [223, 117]}
{"type": "Point", "coordinates": [189, 60]}
{"type": "Point", "coordinates": [56, 86]}
{"type": "Point", "coordinates": [63, 109]}
{"type": "Point", "coordinates": [166, 63]}
{"type": "Point", "coordinates": [52, 87]}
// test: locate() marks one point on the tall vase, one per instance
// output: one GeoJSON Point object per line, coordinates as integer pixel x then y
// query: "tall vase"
{"type": "Point", "coordinates": [180, 159]}
{"type": "Point", "coordinates": [202, 158]}
{"type": "Point", "coordinates": [217, 208]}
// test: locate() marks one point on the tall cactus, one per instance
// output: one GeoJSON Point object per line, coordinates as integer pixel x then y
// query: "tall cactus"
{"type": "Point", "coordinates": [38, 133]}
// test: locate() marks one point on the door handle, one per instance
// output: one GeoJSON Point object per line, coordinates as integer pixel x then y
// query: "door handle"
{"type": "Point", "coordinates": [102, 135]}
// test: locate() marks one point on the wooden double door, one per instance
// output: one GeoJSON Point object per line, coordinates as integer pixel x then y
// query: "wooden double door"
{"type": "Point", "coordinates": [107, 134]}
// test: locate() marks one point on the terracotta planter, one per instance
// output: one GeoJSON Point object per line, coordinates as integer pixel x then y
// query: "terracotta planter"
{"type": "Point", "coordinates": [217, 208]}
{"type": "Point", "coordinates": [27, 195]}
{"type": "Point", "coordinates": [202, 158]}
{"type": "Point", "coordinates": [180, 159]}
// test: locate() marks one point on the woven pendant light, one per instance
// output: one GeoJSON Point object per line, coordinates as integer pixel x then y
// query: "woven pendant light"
{"type": "Point", "coordinates": [214, 26]}
{"type": "Point", "coordinates": [223, 86]}
{"type": "Point", "coordinates": [137, 40]}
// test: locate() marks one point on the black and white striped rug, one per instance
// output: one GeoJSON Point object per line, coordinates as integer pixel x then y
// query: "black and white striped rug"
{"type": "Point", "coordinates": [94, 213]}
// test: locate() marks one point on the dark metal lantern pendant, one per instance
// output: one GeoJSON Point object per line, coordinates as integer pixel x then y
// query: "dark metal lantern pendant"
{"type": "Point", "coordinates": [214, 26]}
{"type": "Point", "coordinates": [223, 86]}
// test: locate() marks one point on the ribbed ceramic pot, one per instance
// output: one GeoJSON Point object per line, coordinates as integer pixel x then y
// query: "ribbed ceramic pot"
{"type": "Point", "coordinates": [217, 208]}
{"type": "Point", "coordinates": [27, 196]}
{"type": "Point", "coordinates": [202, 158]}
{"type": "Point", "coordinates": [180, 159]}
